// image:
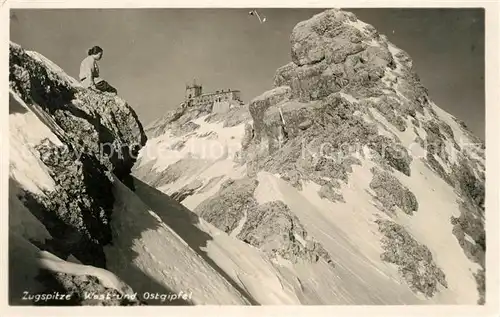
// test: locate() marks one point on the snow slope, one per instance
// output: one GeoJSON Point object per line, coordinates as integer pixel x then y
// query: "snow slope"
{"type": "Point", "coordinates": [246, 267]}
{"type": "Point", "coordinates": [151, 257]}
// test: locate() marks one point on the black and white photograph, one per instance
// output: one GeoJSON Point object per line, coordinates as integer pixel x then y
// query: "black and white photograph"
{"type": "Point", "coordinates": [247, 156]}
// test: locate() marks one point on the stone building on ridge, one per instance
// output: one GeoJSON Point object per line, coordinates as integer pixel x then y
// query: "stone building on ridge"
{"type": "Point", "coordinates": [221, 100]}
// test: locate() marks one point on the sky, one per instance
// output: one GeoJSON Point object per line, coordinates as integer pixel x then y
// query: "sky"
{"type": "Point", "coordinates": [151, 54]}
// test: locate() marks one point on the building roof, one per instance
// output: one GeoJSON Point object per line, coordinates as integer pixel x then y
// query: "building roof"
{"type": "Point", "coordinates": [217, 93]}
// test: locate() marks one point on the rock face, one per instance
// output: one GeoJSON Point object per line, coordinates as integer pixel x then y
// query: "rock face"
{"type": "Point", "coordinates": [391, 193]}
{"type": "Point", "coordinates": [271, 227]}
{"type": "Point", "coordinates": [414, 260]}
{"type": "Point", "coordinates": [97, 123]}
{"type": "Point", "coordinates": [91, 136]}
{"type": "Point", "coordinates": [87, 291]}
{"type": "Point", "coordinates": [345, 160]}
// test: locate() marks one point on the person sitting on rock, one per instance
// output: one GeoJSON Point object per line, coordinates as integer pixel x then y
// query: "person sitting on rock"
{"type": "Point", "coordinates": [89, 72]}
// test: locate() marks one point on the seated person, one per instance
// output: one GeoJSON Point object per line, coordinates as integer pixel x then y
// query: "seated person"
{"type": "Point", "coordinates": [89, 72]}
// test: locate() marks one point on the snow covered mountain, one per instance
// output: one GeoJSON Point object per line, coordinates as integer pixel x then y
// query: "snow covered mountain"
{"type": "Point", "coordinates": [344, 178]}
{"type": "Point", "coordinates": [343, 184]}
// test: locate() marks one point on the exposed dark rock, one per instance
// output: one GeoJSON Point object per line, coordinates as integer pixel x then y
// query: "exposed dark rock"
{"type": "Point", "coordinates": [104, 125]}
{"type": "Point", "coordinates": [225, 209]}
{"type": "Point", "coordinates": [248, 136]}
{"type": "Point", "coordinates": [259, 106]}
{"type": "Point", "coordinates": [438, 168]}
{"type": "Point", "coordinates": [272, 228]}
{"type": "Point", "coordinates": [414, 260]}
{"type": "Point", "coordinates": [471, 223]}
{"type": "Point", "coordinates": [84, 290]}
{"type": "Point", "coordinates": [78, 212]}
{"type": "Point", "coordinates": [470, 186]}
{"type": "Point", "coordinates": [391, 193]}
{"type": "Point", "coordinates": [329, 55]}
{"type": "Point", "coordinates": [328, 191]}
{"type": "Point", "coordinates": [179, 145]}
{"type": "Point", "coordinates": [101, 136]}
{"type": "Point", "coordinates": [395, 154]}
{"type": "Point", "coordinates": [389, 108]}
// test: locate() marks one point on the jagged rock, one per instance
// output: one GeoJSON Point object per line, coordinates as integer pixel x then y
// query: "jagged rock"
{"type": "Point", "coordinates": [249, 135]}
{"type": "Point", "coordinates": [259, 106]}
{"type": "Point", "coordinates": [470, 185]}
{"type": "Point", "coordinates": [389, 108]}
{"type": "Point", "coordinates": [329, 55]}
{"type": "Point", "coordinates": [228, 206]}
{"type": "Point", "coordinates": [177, 146]}
{"type": "Point", "coordinates": [86, 290]}
{"type": "Point", "coordinates": [325, 37]}
{"type": "Point", "coordinates": [272, 228]}
{"type": "Point", "coordinates": [103, 125]}
{"type": "Point", "coordinates": [100, 134]}
{"type": "Point", "coordinates": [391, 193]}
{"type": "Point", "coordinates": [414, 260]}
{"type": "Point", "coordinates": [78, 212]}
{"type": "Point", "coordinates": [328, 191]}
{"type": "Point", "coordinates": [393, 153]}
{"type": "Point", "coordinates": [327, 150]}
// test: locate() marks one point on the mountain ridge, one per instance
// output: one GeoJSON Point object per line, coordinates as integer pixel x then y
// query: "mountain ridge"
{"type": "Point", "coordinates": [343, 184]}
{"type": "Point", "coordinates": [354, 100]}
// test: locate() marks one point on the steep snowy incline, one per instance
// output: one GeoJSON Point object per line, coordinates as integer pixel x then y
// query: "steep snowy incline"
{"type": "Point", "coordinates": [345, 176]}
{"type": "Point", "coordinates": [152, 258]}
{"type": "Point", "coordinates": [244, 266]}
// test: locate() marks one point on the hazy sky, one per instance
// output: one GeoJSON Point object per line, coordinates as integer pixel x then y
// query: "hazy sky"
{"type": "Point", "coordinates": [150, 54]}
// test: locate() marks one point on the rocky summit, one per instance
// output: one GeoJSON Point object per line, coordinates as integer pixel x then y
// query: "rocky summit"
{"type": "Point", "coordinates": [343, 184]}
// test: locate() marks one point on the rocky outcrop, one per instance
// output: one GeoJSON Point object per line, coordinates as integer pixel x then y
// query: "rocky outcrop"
{"type": "Point", "coordinates": [271, 227]}
{"type": "Point", "coordinates": [85, 290]}
{"type": "Point", "coordinates": [330, 53]}
{"type": "Point", "coordinates": [318, 141]}
{"type": "Point", "coordinates": [77, 213]}
{"type": "Point", "coordinates": [232, 202]}
{"type": "Point", "coordinates": [100, 136]}
{"type": "Point", "coordinates": [100, 124]}
{"type": "Point", "coordinates": [391, 193]}
{"type": "Point", "coordinates": [312, 125]}
{"type": "Point", "coordinates": [414, 260]}
{"type": "Point", "coordinates": [179, 120]}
